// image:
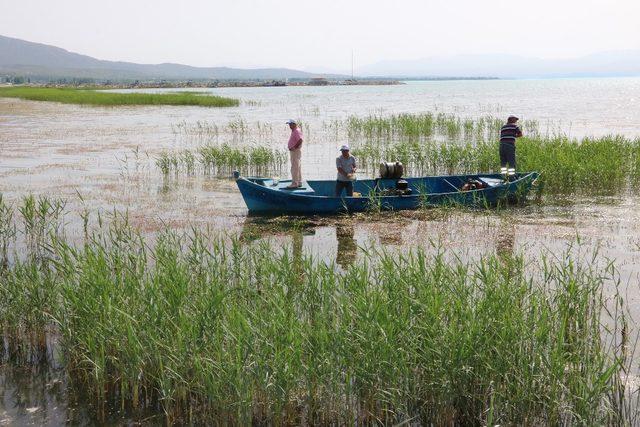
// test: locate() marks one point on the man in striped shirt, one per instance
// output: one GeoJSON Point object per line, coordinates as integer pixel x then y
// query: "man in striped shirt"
{"type": "Point", "coordinates": [508, 135]}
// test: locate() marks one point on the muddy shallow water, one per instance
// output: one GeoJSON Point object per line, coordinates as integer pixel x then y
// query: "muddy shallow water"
{"type": "Point", "coordinates": [103, 158]}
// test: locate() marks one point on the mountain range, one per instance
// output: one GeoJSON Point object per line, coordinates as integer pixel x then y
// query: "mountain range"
{"type": "Point", "coordinates": [603, 64]}
{"type": "Point", "coordinates": [43, 62]}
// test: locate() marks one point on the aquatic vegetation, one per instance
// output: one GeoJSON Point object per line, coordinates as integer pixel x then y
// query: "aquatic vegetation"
{"type": "Point", "coordinates": [41, 218]}
{"type": "Point", "coordinates": [429, 157]}
{"type": "Point", "coordinates": [441, 143]}
{"type": "Point", "coordinates": [209, 329]}
{"type": "Point", "coordinates": [567, 165]}
{"type": "Point", "coordinates": [238, 129]}
{"type": "Point", "coordinates": [590, 164]}
{"type": "Point", "coordinates": [8, 232]}
{"type": "Point", "coordinates": [201, 130]}
{"type": "Point", "coordinates": [374, 202]}
{"type": "Point", "coordinates": [103, 98]}
{"type": "Point", "coordinates": [222, 160]}
{"type": "Point", "coordinates": [428, 125]}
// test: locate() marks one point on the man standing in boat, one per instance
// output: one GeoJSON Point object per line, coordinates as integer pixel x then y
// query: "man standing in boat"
{"type": "Point", "coordinates": [508, 134]}
{"type": "Point", "coordinates": [295, 151]}
{"type": "Point", "coordinates": [346, 165]}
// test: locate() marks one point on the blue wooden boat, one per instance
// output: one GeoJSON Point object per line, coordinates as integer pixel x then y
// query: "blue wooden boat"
{"type": "Point", "coordinates": [263, 195]}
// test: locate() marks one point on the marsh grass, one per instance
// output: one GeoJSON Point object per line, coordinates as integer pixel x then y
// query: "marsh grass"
{"type": "Point", "coordinates": [375, 202]}
{"type": "Point", "coordinates": [42, 218]}
{"type": "Point", "coordinates": [102, 98]}
{"type": "Point", "coordinates": [8, 231]}
{"type": "Point", "coordinates": [433, 144]}
{"type": "Point", "coordinates": [212, 330]}
{"type": "Point", "coordinates": [569, 166]}
{"type": "Point", "coordinates": [222, 160]}
{"type": "Point", "coordinates": [199, 131]}
{"type": "Point", "coordinates": [207, 132]}
{"type": "Point", "coordinates": [427, 126]}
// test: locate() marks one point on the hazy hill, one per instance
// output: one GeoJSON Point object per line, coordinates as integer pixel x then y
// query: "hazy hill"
{"type": "Point", "coordinates": [616, 63]}
{"type": "Point", "coordinates": [43, 61]}
{"type": "Point", "coordinates": [40, 61]}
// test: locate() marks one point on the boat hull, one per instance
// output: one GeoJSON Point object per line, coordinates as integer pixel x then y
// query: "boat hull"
{"type": "Point", "coordinates": [261, 195]}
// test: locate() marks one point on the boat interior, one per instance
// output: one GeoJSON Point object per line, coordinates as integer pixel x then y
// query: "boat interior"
{"type": "Point", "coordinates": [414, 186]}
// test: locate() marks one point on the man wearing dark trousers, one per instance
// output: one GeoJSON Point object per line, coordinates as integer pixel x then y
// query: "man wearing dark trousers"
{"type": "Point", "coordinates": [346, 165]}
{"type": "Point", "coordinates": [508, 134]}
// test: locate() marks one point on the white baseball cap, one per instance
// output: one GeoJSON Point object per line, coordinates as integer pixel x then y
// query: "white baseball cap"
{"type": "Point", "coordinates": [291, 122]}
{"type": "Point", "coordinates": [345, 147]}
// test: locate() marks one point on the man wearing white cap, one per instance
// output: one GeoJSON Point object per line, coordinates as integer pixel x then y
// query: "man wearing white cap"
{"type": "Point", "coordinates": [295, 150]}
{"type": "Point", "coordinates": [346, 165]}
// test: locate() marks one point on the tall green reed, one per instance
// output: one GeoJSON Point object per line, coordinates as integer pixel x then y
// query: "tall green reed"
{"type": "Point", "coordinates": [567, 165]}
{"type": "Point", "coordinates": [431, 143]}
{"type": "Point", "coordinates": [237, 129]}
{"type": "Point", "coordinates": [222, 160]}
{"type": "Point", "coordinates": [8, 231]}
{"type": "Point", "coordinates": [209, 328]}
{"type": "Point", "coordinates": [426, 126]}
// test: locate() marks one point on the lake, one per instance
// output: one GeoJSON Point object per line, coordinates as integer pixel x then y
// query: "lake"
{"type": "Point", "coordinates": [104, 158]}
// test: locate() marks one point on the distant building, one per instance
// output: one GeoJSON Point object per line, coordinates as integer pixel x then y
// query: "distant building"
{"type": "Point", "coordinates": [318, 81]}
{"type": "Point", "coordinates": [274, 83]}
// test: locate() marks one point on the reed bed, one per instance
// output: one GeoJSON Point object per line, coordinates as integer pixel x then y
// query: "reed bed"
{"type": "Point", "coordinates": [426, 125]}
{"type": "Point", "coordinates": [606, 164]}
{"type": "Point", "coordinates": [207, 329]}
{"type": "Point", "coordinates": [222, 160]}
{"type": "Point", "coordinates": [102, 98]}
{"type": "Point", "coordinates": [205, 131]}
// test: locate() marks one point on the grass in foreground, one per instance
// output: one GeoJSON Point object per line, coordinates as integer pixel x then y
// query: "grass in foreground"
{"type": "Point", "coordinates": [209, 329]}
{"type": "Point", "coordinates": [94, 97]}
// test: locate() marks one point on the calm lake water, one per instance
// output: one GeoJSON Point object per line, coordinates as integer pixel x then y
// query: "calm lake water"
{"type": "Point", "coordinates": [106, 155]}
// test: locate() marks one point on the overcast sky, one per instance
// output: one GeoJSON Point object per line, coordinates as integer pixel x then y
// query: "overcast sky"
{"type": "Point", "coordinates": [320, 35]}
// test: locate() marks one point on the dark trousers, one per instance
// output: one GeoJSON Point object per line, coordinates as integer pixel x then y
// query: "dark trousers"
{"type": "Point", "coordinates": [507, 155]}
{"type": "Point", "coordinates": [344, 184]}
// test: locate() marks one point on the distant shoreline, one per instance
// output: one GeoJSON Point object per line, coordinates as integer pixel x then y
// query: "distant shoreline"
{"type": "Point", "coordinates": [437, 79]}
{"type": "Point", "coordinates": [220, 84]}
{"type": "Point", "coordinates": [165, 84]}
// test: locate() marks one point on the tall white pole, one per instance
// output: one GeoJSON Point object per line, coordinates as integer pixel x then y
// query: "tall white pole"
{"type": "Point", "coordinates": [352, 64]}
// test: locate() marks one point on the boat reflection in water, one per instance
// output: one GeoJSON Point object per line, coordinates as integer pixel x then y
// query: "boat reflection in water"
{"type": "Point", "coordinates": [505, 242]}
{"type": "Point", "coordinates": [319, 240]}
{"type": "Point", "coordinates": [347, 246]}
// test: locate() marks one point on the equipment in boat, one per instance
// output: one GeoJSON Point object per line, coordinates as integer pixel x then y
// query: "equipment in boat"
{"type": "Point", "coordinates": [392, 170]}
